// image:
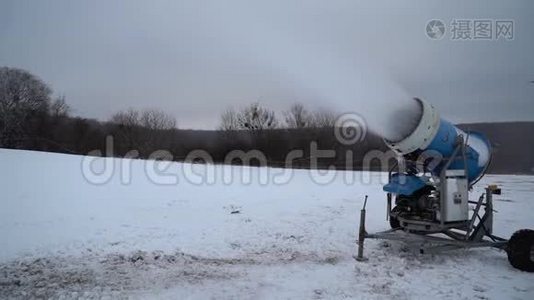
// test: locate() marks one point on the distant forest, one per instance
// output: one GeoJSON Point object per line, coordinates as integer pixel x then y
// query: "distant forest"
{"type": "Point", "coordinates": [31, 119]}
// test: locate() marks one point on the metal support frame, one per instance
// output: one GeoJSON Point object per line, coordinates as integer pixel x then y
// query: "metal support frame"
{"type": "Point", "coordinates": [464, 234]}
{"type": "Point", "coordinates": [454, 237]}
{"type": "Point", "coordinates": [362, 234]}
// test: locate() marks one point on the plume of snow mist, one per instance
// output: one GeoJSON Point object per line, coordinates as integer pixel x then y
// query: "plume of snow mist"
{"type": "Point", "coordinates": [322, 75]}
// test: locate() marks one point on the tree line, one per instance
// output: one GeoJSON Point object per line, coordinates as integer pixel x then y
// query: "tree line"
{"type": "Point", "coordinates": [31, 118]}
{"type": "Point", "coordinates": [255, 117]}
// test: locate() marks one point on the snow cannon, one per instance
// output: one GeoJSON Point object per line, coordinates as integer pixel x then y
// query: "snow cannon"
{"type": "Point", "coordinates": [439, 139]}
{"type": "Point", "coordinates": [428, 191]}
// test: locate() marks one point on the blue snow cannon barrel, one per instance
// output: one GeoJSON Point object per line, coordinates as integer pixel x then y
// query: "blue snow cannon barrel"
{"type": "Point", "coordinates": [435, 134]}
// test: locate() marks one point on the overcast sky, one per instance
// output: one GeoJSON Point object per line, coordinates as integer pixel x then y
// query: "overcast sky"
{"type": "Point", "coordinates": [193, 59]}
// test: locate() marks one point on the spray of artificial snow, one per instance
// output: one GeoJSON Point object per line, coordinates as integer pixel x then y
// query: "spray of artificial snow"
{"type": "Point", "coordinates": [322, 75]}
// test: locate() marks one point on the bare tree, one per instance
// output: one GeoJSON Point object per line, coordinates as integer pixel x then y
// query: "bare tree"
{"type": "Point", "coordinates": [128, 118]}
{"type": "Point", "coordinates": [156, 126]}
{"type": "Point", "coordinates": [149, 119]}
{"type": "Point", "coordinates": [323, 119]}
{"type": "Point", "coordinates": [21, 95]}
{"type": "Point", "coordinates": [157, 120]}
{"type": "Point", "coordinates": [229, 120]}
{"type": "Point", "coordinates": [142, 130]}
{"type": "Point", "coordinates": [252, 118]}
{"type": "Point", "coordinates": [298, 117]}
{"type": "Point", "coordinates": [256, 118]}
{"type": "Point", "coordinates": [128, 129]}
{"type": "Point", "coordinates": [59, 107]}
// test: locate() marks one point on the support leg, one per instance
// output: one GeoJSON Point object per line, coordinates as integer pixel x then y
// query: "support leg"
{"type": "Point", "coordinates": [361, 235]}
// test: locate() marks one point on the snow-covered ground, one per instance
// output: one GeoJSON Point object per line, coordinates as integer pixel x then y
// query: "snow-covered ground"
{"type": "Point", "coordinates": [63, 236]}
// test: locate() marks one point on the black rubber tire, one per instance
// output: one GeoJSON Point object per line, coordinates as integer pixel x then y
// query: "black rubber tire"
{"type": "Point", "coordinates": [520, 250]}
{"type": "Point", "coordinates": [394, 222]}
